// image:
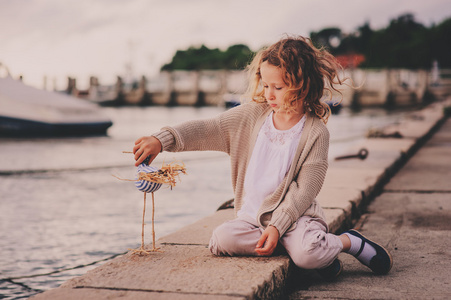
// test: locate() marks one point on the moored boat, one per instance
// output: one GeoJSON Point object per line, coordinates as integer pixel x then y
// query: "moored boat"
{"type": "Point", "coordinates": [26, 111]}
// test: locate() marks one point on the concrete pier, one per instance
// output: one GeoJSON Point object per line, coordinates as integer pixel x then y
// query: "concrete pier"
{"type": "Point", "coordinates": [376, 88]}
{"type": "Point", "coordinates": [185, 269]}
{"type": "Point", "coordinates": [412, 219]}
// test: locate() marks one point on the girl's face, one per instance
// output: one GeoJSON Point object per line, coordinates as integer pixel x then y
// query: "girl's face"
{"type": "Point", "coordinates": [274, 86]}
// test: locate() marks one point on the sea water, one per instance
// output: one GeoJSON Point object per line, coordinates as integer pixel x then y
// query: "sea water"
{"type": "Point", "coordinates": [63, 212]}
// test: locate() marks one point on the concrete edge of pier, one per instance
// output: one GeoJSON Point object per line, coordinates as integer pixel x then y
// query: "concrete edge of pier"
{"type": "Point", "coordinates": [185, 268]}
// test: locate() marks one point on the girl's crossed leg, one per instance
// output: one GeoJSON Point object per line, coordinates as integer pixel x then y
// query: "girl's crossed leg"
{"type": "Point", "coordinates": [308, 245]}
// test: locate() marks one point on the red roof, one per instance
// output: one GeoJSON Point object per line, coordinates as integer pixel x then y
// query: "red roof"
{"type": "Point", "coordinates": [350, 60]}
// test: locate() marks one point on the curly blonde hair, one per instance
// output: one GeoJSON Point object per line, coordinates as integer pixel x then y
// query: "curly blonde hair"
{"type": "Point", "coordinates": [307, 71]}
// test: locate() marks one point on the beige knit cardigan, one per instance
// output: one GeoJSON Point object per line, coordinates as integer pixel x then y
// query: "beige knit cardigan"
{"type": "Point", "coordinates": [235, 132]}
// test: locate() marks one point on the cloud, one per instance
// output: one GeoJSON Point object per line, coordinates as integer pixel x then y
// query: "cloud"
{"type": "Point", "coordinates": [98, 37]}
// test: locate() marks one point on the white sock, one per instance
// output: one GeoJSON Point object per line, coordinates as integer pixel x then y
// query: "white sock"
{"type": "Point", "coordinates": [367, 253]}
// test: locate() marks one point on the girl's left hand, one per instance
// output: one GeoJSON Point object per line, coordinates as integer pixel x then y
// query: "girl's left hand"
{"type": "Point", "coordinates": [268, 241]}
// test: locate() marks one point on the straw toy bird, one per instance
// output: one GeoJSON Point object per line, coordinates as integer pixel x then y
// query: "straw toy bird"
{"type": "Point", "coordinates": [149, 180]}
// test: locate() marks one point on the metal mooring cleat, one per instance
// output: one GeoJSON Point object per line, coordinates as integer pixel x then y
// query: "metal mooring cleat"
{"type": "Point", "coordinates": [363, 153]}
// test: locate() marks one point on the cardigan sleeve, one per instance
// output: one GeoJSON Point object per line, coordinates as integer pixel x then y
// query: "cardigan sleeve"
{"type": "Point", "coordinates": [213, 134]}
{"type": "Point", "coordinates": [304, 188]}
{"type": "Point", "coordinates": [194, 136]}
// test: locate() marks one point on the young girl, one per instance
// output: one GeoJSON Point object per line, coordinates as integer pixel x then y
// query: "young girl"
{"type": "Point", "coordinates": [278, 144]}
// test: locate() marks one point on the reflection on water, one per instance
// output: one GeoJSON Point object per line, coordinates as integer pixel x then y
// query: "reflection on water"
{"type": "Point", "coordinates": [60, 207]}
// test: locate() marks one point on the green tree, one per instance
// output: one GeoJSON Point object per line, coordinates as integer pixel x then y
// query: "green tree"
{"type": "Point", "coordinates": [203, 58]}
{"type": "Point", "coordinates": [330, 38]}
{"type": "Point", "coordinates": [404, 43]}
{"type": "Point", "coordinates": [339, 43]}
{"type": "Point", "coordinates": [237, 57]}
{"type": "Point", "coordinates": [440, 43]}
{"type": "Point", "coordinates": [401, 45]}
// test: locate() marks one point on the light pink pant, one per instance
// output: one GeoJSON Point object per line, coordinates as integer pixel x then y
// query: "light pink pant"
{"type": "Point", "coordinates": [309, 245]}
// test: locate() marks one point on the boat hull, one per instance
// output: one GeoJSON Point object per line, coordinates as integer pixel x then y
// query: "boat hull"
{"type": "Point", "coordinates": [14, 127]}
{"type": "Point", "coordinates": [29, 112]}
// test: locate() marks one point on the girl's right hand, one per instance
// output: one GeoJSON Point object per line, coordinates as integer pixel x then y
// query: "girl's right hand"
{"type": "Point", "coordinates": [268, 241]}
{"type": "Point", "coordinates": [146, 146]}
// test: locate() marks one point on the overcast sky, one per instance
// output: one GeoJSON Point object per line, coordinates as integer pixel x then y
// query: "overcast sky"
{"type": "Point", "coordinates": [80, 38]}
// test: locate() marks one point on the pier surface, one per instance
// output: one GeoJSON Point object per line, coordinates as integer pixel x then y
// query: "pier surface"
{"type": "Point", "coordinates": [410, 216]}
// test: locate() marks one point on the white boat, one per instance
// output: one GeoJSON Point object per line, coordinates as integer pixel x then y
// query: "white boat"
{"type": "Point", "coordinates": [26, 111]}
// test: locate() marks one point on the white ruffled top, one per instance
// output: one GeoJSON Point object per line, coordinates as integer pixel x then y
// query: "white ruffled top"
{"type": "Point", "coordinates": [270, 161]}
